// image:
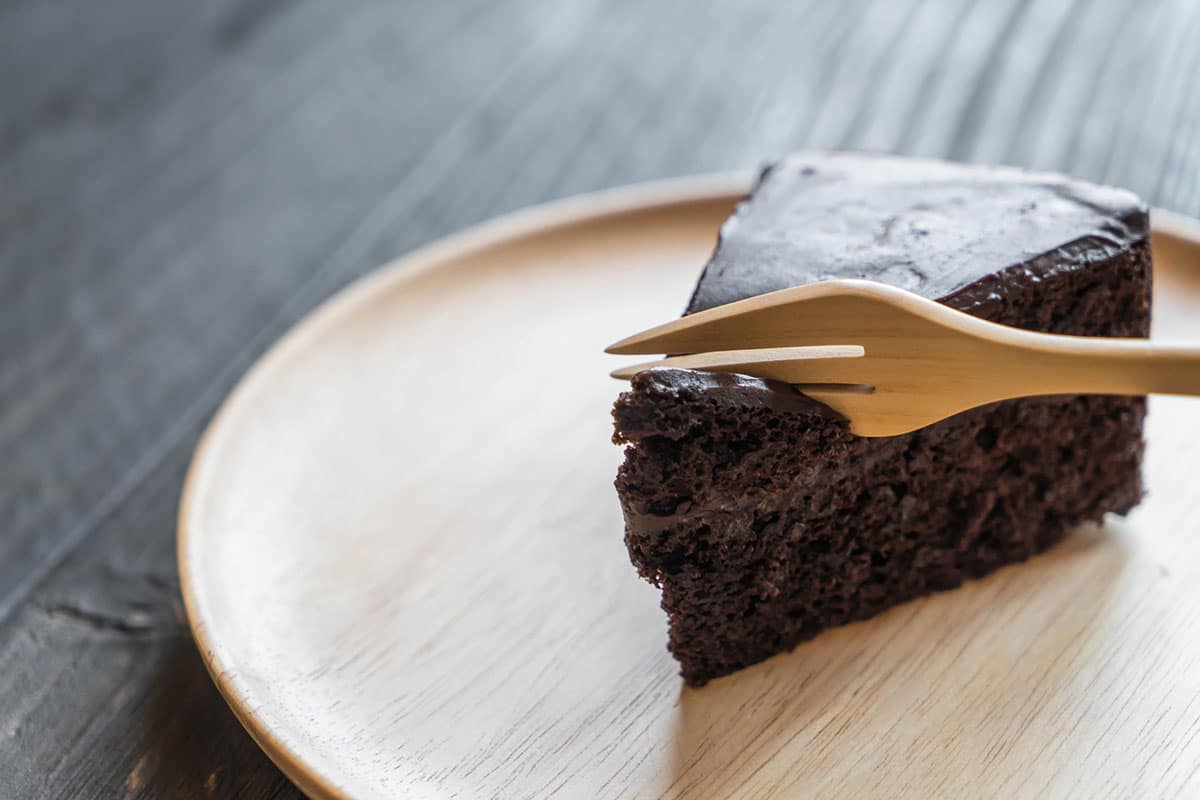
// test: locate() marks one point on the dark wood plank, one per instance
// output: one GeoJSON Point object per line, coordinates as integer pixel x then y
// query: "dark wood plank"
{"type": "Point", "coordinates": [235, 224]}
{"type": "Point", "coordinates": [186, 180]}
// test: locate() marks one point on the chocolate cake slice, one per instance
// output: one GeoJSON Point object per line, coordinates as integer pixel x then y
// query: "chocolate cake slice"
{"type": "Point", "coordinates": [764, 521]}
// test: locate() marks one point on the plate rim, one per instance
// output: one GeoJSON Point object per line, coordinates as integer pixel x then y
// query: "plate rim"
{"type": "Point", "coordinates": [562, 212]}
{"type": "Point", "coordinates": [631, 198]}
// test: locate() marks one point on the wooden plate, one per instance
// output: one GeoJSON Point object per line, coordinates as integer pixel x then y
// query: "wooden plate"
{"type": "Point", "coordinates": [402, 560]}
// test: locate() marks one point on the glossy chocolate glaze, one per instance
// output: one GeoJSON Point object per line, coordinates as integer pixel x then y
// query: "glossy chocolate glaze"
{"type": "Point", "coordinates": [951, 232]}
{"type": "Point", "coordinates": [724, 390]}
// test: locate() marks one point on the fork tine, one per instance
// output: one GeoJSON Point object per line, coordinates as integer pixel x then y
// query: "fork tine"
{"type": "Point", "coordinates": [836, 364]}
{"type": "Point", "coordinates": [770, 320]}
{"type": "Point", "coordinates": [827, 313]}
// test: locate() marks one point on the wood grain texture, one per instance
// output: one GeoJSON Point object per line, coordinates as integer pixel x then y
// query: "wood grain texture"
{"type": "Point", "coordinates": [182, 181]}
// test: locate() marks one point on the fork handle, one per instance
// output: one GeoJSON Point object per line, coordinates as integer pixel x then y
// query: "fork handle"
{"type": "Point", "coordinates": [1085, 365]}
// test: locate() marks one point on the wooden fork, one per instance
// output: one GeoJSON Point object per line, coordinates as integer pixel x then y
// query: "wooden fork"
{"type": "Point", "coordinates": [892, 362]}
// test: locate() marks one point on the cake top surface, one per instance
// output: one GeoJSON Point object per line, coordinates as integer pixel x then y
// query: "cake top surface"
{"type": "Point", "coordinates": [728, 389]}
{"type": "Point", "coordinates": [932, 227]}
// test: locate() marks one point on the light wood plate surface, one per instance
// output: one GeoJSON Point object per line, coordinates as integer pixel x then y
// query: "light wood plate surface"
{"type": "Point", "coordinates": [402, 560]}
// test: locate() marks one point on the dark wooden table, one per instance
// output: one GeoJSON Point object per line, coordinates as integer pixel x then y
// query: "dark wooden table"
{"type": "Point", "coordinates": [180, 181]}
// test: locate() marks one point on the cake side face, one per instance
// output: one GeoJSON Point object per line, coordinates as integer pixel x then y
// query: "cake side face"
{"type": "Point", "coordinates": [764, 521]}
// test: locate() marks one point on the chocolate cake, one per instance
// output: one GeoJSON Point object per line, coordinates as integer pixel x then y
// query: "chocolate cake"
{"type": "Point", "coordinates": [760, 516]}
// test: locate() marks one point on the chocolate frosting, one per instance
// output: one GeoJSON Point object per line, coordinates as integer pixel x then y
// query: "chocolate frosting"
{"type": "Point", "coordinates": [951, 232]}
{"type": "Point", "coordinates": [663, 391]}
{"type": "Point", "coordinates": [724, 389]}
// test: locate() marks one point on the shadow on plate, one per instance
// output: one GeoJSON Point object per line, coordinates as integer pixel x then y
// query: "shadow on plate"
{"type": "Point", "coordinates": [843, 711]}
